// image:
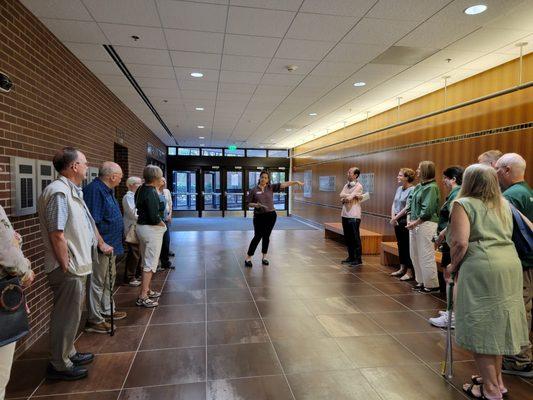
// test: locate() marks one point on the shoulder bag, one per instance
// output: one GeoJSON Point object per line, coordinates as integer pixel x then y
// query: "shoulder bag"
{"type": "Point", "coordinates": [13, 316]}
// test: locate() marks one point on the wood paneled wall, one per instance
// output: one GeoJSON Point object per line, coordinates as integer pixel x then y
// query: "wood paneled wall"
{"type": "Point", "coordinates": [445, 139]}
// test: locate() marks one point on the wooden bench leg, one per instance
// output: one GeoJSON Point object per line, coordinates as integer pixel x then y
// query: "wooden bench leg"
{"type": "Point", "coordinates": [388, 258]}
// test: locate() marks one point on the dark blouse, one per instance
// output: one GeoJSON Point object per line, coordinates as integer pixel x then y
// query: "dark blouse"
{"type": "Point", "coordinates": [264, 197]}
{"type": "Point", "coordinates": [148, 204]}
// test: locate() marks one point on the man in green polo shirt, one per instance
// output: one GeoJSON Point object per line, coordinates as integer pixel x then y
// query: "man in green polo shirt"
{"type": "Point", "coordinates": [511, 169]}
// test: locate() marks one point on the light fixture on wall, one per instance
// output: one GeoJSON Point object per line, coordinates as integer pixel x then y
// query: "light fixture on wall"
{"type": "Point", "coordinates": [6, 84]}
{"type": "Point", "coordinates": [477, 9]}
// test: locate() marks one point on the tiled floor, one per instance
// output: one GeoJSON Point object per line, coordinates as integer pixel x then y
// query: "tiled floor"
{"type": "Point", "coordinates": [302, 328]}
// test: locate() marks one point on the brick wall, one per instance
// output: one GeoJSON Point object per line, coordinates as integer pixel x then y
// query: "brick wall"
{"type": "Point", "coordinates": [56, 102]}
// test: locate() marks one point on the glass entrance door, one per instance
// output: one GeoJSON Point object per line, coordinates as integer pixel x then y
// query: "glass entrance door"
{"type": "Point", "coordinates": [184, 191]}
{"type": "Point", "coordinates": [234, 192]}
{"type": "Point", "coordinates": [212, 191]}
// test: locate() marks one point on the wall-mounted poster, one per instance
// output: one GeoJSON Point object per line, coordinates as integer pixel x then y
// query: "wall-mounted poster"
{"type": "Point", "coordinates": [308, 183]}
{"type": "Point", "coordinates": [326, 183]}
{"type": "Point", "coordinates": [367, 180]}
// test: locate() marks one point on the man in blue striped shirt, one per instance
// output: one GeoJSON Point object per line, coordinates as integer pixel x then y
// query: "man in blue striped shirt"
{"type": "Point", "coordinates": [104, 208]}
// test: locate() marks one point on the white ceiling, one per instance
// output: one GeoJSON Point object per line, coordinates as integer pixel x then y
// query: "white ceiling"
{"type": "Point", "coordinates": [243, 47]}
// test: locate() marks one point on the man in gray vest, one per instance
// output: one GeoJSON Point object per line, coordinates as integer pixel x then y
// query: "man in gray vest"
{"type": "Point", "coordinates": [70, 240]}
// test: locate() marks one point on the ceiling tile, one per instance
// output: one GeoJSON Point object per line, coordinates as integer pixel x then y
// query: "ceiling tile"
{"type": "Point", "coordinates": [193, 16]}
{"type": "Point", "coordinates": [281, 79]}
{"type": "Point", "coordinates": [518, 17]}
{"type": "Point", "coordinates": [114, 80]}
{"type": "Point", "coordinates": [185, 74]}
{"type": "Point", "coordinates": [279, 66]}
{"type": "Point", "coordinates": [408, 10]}
{"type": "Point", "coordinates": [291, 5]}
{"type": "Point", "coordinates": [226, 96]}
{"type": "Point", "coordinates": [237, 88]}
{"type": "Point", "coordinates": [247, 64]}
{"type": "Point", "coordinates": [166, 93]}
{"type": "Point", "coordinates": [240, 77]}
{"type": "Point", "coordinates": [133, 12]}
{"type": "Point", "coordinates": [103, 67]}
{"type": "Point", "coordinates": [203, 86]}
{"type": "Point", "coordinates": [355, 53]}
{"type": "Point", "coordinates": [320, 27]}
{"type": "Point", "coordinates": [303, 49]}
{"type": "Point", "coordinates": [486, 62]}
{"type": "Point", "coordinates": [379, 31]}
{"type": "Point", "coordinates": [338, 7]}
{"type": "Point", "coordinates": [514, 50]}
{"type": "Point", "coordinates": [158, 83]}
{"type": "Point", "coordinates": [486, 39]}
{"type": "Point", "coordinates": [195, 60]}
{"type": "Point", "coordinates": [340, 70]}
{"type": "Point", "coordinates": [59, 9]}
{"type": "Point", "coordinates": [151, 71]}
{"type": "Point", "coordinates": [133, 55]}
{"type": "Point", "coordinates": [423, 73]}
{"type": "Point", "coordinates": [259, 22]}
{"type": "Point", "coordinates": [75, 31]}
{"type": "Point", "coordinates": [87, 51]}
{"type": "Point", "coordinates": [450, 58]}
{"type": "Point", "coordinates": [250, 45]}
{"type": "Point", "coordinates": [198, 95]}
{"type": "Point", "coordinates": [121, 35]}
{"type": "Point", "coordinates": [203, 42]}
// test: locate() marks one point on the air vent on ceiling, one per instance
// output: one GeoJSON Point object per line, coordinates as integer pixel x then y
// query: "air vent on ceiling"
{"type": "Point", "coordinates": [403, 55]}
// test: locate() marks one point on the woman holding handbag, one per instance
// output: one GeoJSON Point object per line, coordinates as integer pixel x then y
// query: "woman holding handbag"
{"type": "Point", "coordinates": [14, 271]}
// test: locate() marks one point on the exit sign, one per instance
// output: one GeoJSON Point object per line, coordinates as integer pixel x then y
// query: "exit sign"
{"type": "Point", "coordinates": [232, 147]}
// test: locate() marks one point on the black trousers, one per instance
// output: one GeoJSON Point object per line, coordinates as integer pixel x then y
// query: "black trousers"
{"type": "Point", "coordinates": [402, 238]}
{"type": "Point", "coordinates": [350, 226]}
{"type": "Point", "coordinates": [165, 248]}
{"type": "Point", "coordinates": [132, 268]}
{"type": "Point", "coordinates": [263, 225]}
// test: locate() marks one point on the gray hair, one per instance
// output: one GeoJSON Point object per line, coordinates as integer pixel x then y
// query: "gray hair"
{"type": "Point", "coordinates": [514, 161]}
{"type": "Point", "coordinates": [108, 168]}
{"type": "Point", "coordinates": [132, 180]}
{"type": "Point", "coordinates": [152, 173]}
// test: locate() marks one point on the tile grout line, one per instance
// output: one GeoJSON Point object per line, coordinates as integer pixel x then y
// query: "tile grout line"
{"type": "Point", "coordinates": [426, 364]}
{"type": "Point", "coordinates": [264, 326]}
{"type": "Point", "coordinates": [140, 342]}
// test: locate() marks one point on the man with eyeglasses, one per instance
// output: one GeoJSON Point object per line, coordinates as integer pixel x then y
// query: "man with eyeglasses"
{"type": "Point", "coordinates": [70, 239]}
{"type": "Point", "coordinates": [104, 208]}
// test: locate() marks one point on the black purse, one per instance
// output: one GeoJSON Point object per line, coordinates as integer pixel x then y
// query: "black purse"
{"type": "Point", "coordinates": [13, 316]}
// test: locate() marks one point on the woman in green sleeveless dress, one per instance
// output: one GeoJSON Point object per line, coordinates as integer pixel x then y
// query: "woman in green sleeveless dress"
{"type": "Point", "coordinates": [490, 316]}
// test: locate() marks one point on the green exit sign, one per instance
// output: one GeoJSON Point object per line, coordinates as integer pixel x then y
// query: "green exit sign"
{"type": "Point", "coordinates": [232, 147]}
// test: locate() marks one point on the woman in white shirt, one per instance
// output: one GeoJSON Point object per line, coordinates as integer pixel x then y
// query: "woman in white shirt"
{"type": "Point", "coordinates": [132, 270]}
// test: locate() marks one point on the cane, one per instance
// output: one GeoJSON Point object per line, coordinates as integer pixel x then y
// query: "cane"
{"type": "Point", "coordinates": [112, 332]}
{"type": "Point", "coordinates": [447, 364]}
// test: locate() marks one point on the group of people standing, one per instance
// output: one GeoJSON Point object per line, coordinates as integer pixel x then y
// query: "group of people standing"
{"type": "Point", "coordinates": [473, 229]}
{"type": "Point", "coordinates": [83, 232]}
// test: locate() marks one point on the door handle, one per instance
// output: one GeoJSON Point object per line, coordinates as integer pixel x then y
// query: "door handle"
{"type": "Point", "coordinates": [202, 193]}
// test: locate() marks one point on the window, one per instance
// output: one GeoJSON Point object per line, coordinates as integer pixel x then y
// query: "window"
{"type": "Point", "coordinates": [188, 151]}
{"type": "Point", "coordinates": [212, 152]}
{"type": "Point", "coordinates": [171, 151]}
{"type": "Point", "coordinates": [278, 153]}
{"type": "Point", "coordinates": [256, 153]}
{"type": "Point", "coordinates": [234, 153]}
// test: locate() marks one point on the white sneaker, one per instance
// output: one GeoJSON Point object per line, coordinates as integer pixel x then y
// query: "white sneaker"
{"type": "Point", "coordinates": [134, 283]}
{"type": "Point", "coordinates": [442, 321]}
{"type": "Point", "coordinates": [443, 312]}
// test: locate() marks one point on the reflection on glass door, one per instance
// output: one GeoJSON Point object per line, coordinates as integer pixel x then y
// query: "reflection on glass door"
{"type": "Point", "coordinates": [184, 190]}
{"type": "Point", "coordinates": [234, 190]}
{"type": "Point", "coordinates": [212, 190]}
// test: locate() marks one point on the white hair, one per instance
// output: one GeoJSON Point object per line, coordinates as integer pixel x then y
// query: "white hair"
{"type": "Point", "coordinates": [514, 161]}
{"type": "Point", "coordinates": [132, 180]}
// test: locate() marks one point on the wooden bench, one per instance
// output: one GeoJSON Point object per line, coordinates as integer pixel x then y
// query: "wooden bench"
{"type": "Point", "coordinates": [370, 241]}
{"type": "Point", "coordinates": [389, 255]}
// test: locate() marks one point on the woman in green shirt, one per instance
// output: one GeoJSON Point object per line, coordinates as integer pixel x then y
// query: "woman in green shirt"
{"type": "Point", "coordinates": [423, 217]}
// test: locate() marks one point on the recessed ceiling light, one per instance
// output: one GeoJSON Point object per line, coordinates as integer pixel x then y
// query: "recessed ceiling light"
{"type": "Point", "coordinates": [288, 129]}
{"type": "Point", "coordinates": [313, 114]}
{"type": "Point", "coordinates": [199, 109]}
{"type": "Point", "coordinates": [358, 84]}
{"type": "Point", "coordinates": [200, 127]}
{"type": "Point", "coordinates": [477, 9]}
{"type": "Point", "coordinates": [201, 137]}
{"type": "Point", "coordinates": [201, 144]}
{"type": "Point", "coordinates": [196, 74]}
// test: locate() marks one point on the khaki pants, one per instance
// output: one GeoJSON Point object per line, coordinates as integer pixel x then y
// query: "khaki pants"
{"type": "Point", "coordinates": [99, 291]}
{"type": "Point", "coordinates": [523, 359]}
{"type": "Point", "coordinates": [422, 253]}
{"type": "Point", "coordinates": [68, 291]}
{"type": "Point", "coordinates": [6, 360]}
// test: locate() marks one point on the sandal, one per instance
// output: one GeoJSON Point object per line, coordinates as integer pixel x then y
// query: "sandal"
{"type": "Point", "coordinates": [482, 396]}
{"type": "Point", "coordinates": [478, 380]}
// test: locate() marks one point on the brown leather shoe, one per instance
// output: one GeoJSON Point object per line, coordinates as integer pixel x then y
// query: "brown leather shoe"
{"type": "Point", "coordinates": [117, 315]}
{"type": "Point", "coordinates": [102, 327]}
